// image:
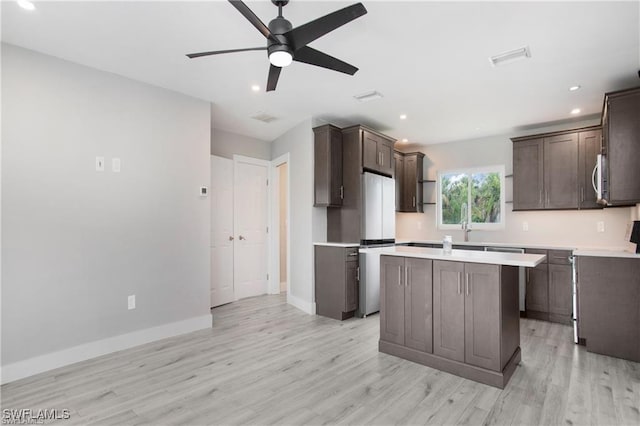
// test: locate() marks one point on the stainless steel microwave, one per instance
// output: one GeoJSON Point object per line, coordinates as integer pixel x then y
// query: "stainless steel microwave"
{"type": "Point", "coordinates": [599, 180]}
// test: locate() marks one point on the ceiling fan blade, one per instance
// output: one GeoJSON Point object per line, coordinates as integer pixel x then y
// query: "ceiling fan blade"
{"type": "Point", "coordinates": [312, 56]}
{"type": "Point", "coordinates": [251, 17]}
{"type": "Point", "coordinates": [274, 74]}
{"type": "Point", "coordinates": [306, 33]}
{"type": "Point", "coordinates": [218, 52]}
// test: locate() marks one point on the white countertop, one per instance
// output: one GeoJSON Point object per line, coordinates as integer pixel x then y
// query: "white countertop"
{"type": "Point", "coordinates": [338, 244]}
{"type": "Point", "coordinates": [471, 256]}
{"type": "Point", "coordinates": [606, 253]}
{"type": "Point", "coordinates": [489, 244]}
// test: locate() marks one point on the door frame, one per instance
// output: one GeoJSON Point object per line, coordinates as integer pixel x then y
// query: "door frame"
{"type": "Point", "coordinates": [274, 224]}
{"type": "Point", "coordinates": [266, 163]}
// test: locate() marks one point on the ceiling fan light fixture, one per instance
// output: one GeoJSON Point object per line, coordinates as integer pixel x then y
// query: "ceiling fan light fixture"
{"type": "Point", "coordinates": [280, 58]}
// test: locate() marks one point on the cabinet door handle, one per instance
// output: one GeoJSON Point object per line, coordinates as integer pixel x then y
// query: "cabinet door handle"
{"type": "Point", "coordinates": [381, 158]}
{"type": "Point", "coordinates": [414, 201]}
{"type": "Point", "coordinates": [230, 238]}
{"type": "Point", "coordinates": [459, 282]}
{"type": "Point", "coordinates": [341, 192]}
{"type": "Point", "coordinates": [399, 275]}
{"type": "Point", "coordinates": [582, 194]}
{"type": "Point", "coordinates": [355, 253]}
{"type": "Point", "coordinates": [242, 238]}
{"type": "Point", "coordinates": [358, 273]}
{"type": "Point", "coordinates": [406, 276]}
{"type": "Point", "coordinates": [466, 280]}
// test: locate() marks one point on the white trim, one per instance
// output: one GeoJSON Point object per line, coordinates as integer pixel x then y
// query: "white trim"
{"type": "Point", "coordinates": [307, 307]}
{"type": "Point", "coordinates": [42, 363]}
{"type": "Point", "coordinates": [274, 272]}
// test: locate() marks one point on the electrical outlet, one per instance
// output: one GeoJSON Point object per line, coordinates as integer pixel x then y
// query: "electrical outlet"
{"type": "Point", "coordinates": [131, 302]}
{"type": "Point", "coordinates": [99, 164]}
{"type": "Point", "coordinates": [525, 226]}
{"type": "Point", "coordinates": [115, 165]}
{"type": "Point", "coordinates": [600, 226]}
{"type": "Point", "coordinates": [419, 225]}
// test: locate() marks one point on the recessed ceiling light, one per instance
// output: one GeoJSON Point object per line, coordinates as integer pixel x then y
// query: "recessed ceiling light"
{"type": "Point", "coordinates": [574, 88]}
{"type": "Point", "coordinates": [369, 96]}
{"type": "Point", "coordinates": [405, 140]}
{"type": "Point", "coordinates": [26, 4]}
{"type": "Point", "coordinates": [575, 111]}
{"type": "Point", "coordinates": [510, 56]}
{"type": "Point", "coordinates": [255, 88]}
{"type": "Point", "coordinates": [403, 116]}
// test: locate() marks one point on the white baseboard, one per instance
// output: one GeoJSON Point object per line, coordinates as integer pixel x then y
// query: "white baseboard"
{"type": "Point", "coordinates": [308, 307]}
{"type": "Point", "coordinates": [29, 367]}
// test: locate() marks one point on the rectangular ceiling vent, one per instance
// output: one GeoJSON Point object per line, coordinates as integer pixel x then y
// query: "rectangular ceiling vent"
{"type": "Point", "coordinates": [510, 56]}
{"type": "Point", "coordinates": [264, 117]}
{"type": "Point", "coordinates": [369, 96]}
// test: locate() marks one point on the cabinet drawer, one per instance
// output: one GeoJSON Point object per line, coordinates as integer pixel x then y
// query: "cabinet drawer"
{"type": "Point", "coordinates": [559, 257]}
{"type": "Point", "coordinates": [351, 253]}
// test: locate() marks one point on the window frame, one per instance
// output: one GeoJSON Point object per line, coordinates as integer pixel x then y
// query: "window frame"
{"type": "Point", "coordinates": [470, 171]}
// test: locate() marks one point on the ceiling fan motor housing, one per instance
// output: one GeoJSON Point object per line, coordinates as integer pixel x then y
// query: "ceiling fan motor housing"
{"type": "Point", "coordinates": [278, 27]}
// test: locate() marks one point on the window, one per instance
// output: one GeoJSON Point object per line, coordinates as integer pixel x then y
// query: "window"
{"type": "Point", "coordinates": [473, 195]}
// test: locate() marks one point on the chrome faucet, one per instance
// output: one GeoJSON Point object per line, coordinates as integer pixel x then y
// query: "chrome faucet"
{"type": "Point", "coordinates": [466, 229]}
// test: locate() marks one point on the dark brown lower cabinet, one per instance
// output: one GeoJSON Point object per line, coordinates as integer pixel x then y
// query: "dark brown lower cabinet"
{"type": "Point", "coordinates": [474, 331]}
{"type": "Point", "coordinates": [609, 305]}
{"type": "Point", "coordinates": [549, 294]}
{"type": "Point", "coordinates": [406, 302]}
{"type": "Point", "coordinates": [537, 297]}
{"type": "Point", "coordinates": [336, 281]}
{"type": "Point", "coordinates": [466, 302]}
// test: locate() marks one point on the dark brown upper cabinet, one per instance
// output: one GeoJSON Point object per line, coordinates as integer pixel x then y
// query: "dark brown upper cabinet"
{"type": "Point", "coordinates": [621, 145]}
{"type": "Point", "coordinates": [328, 190]}
{"type": "Point", "coordinates": [550, 170]}
{"type": "Point", "coordinates": [589, 145]}
{"type": "Point", "coordinates": [409, 182]}
{"type": "Point", "coordinates": [377, 152]}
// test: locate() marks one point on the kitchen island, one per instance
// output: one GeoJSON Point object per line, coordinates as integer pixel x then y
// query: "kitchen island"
{"type": "Point", "coordinates": [457, 312]}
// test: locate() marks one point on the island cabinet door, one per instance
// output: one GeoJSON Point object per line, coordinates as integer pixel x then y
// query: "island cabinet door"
{"type": "Point", "coordinates": [418, 305]}
{"type": "Point", "coordinates": [392, 275]}
{"type": "Point", "coordinates": [482, 315]}
{"type": "Point", "coordinates": [448, 310]}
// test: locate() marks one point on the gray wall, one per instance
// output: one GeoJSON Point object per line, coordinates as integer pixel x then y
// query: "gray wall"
{"type": "Point", "coordinates": [308, 223]}
{"type": "Point", "coordinates": [226, 144]}
{"type": "Point", "coordinates": [77, 242]}
{"type": "Point", "coordinates": [570, 227]}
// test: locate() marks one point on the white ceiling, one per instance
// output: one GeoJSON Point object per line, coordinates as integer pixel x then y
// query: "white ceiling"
{"type": "Point", "coordinates": [428, 59]}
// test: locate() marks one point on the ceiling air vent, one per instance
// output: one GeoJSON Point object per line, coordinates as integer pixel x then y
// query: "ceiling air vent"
{"type": "Point", "coordinates": [510, 56]}
{"type": "Point", "coordinates": [264, 117]}
{"type": "Point", "coordinates": [369, 96]}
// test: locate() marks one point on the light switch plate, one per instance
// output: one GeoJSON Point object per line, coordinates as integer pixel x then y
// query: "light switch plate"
{"type": "Point", "coordinates": [600, 226]}
{"type": "Point", "coordinates": [115, 165]}
{"type": "Point", "coordinates": [525, 226]}
{"type": "Point", "coordinates": [131, 302]}
{"type": "Point", "coordinates": [99, 164]}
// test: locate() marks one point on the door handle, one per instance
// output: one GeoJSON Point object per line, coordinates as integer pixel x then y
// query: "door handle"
{"type": "Point", "coordinates": [242, 238]}
{"type": "Point", "coordinates": [466, 280]}
{"type": "Point", "coordinates": [593, 178]}
{"type": "Point", "coordinates": [230, 238]}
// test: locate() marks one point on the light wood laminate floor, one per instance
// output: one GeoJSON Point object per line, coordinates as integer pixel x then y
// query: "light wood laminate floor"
{"type": "Point", "coordinates": [265, 362]}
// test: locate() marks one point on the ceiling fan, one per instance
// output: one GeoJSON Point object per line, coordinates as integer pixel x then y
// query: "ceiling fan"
{"type": "Point", "coordinates": [286, 44]}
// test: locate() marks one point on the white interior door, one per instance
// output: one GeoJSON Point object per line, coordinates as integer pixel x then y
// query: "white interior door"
{"type": "Point", "coordinates": [251, 216]}
{"type": "Point", "coordinates": [221, 196]}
